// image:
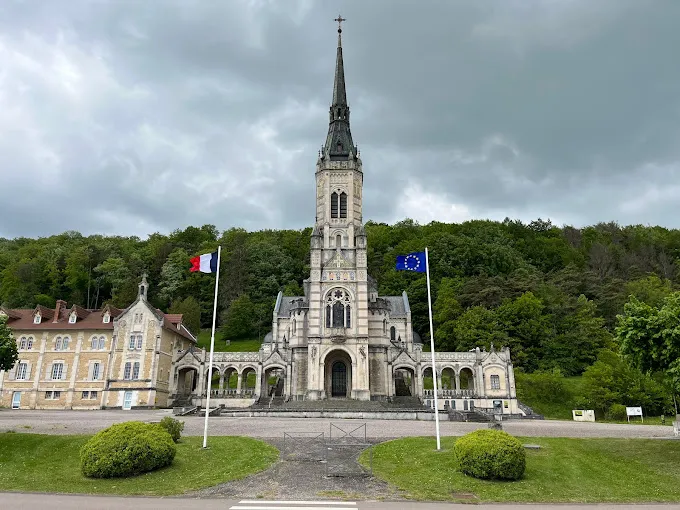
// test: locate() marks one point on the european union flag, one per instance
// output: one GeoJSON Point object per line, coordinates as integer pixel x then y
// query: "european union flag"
{"type": "Point", "coordinates": [412, 262]}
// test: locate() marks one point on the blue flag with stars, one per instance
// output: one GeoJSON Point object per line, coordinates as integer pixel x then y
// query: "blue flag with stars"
{"type": "Point", "coordinates": [412, 262]}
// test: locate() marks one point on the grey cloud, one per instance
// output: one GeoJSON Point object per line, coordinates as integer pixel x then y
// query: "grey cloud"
{"type": "Point", "coordinates": [123, 117]}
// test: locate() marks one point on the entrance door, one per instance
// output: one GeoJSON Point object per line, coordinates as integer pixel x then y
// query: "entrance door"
{"type": "Point", "coordinates": [127, 400]}
{"type": "Point", "coordinates": [339, 379]}
{"type": "Point", "coordinates": [16, 400]}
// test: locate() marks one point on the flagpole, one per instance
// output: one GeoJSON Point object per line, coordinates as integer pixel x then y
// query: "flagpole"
{"type": "Point", "coordinates": [434, 369]}
{"type": "Point", "coordinates": [212, 349]}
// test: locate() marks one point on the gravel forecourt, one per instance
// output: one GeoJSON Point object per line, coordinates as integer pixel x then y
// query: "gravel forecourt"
{"type": "Point", "coordinates": [89, 422]}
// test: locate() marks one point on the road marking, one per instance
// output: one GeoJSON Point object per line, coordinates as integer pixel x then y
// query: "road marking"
{"type": "Point", "coordinates": [257, 504]}
{"type": "Point", "coordinates": [284, 502]}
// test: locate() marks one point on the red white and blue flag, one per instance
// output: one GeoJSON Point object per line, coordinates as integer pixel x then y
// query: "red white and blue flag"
{"type": "Point", "coordinates": [204, 263]}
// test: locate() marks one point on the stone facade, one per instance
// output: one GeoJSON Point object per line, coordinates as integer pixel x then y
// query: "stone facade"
{"type": "Point", "coordinates": [341, 339]}
{"type": "Point", "coordinates": [73, 358]}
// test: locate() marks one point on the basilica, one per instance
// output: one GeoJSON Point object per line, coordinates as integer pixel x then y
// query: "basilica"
{"type": "Point", "coordinates": [341, 339]}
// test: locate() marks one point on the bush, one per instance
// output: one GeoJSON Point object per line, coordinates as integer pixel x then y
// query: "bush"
{"type": "Point", "coordinates": [173, 427]}
{"type": "Point", "coordinates": [126, 449]}
{"type": "Point", "coordinates": [617, 412]}
{"type": "Point", "coordinates": [491, 455]}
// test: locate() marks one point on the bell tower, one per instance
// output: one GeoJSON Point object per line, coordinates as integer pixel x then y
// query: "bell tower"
{"type": "Point", "coordinates": [338, 282]}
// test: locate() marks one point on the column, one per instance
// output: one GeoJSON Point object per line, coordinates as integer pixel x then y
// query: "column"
{"type": "Point", "coordinates": [239, 378]}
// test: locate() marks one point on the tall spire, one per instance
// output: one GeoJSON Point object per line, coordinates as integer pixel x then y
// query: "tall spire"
{"type": "Point", "coordinates": [339, 93]}
{"type": "Point", "coordinates": [339, 144]}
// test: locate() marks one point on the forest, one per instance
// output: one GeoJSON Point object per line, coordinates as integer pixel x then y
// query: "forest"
{"type": "Point", "coordinates": [557, 296]}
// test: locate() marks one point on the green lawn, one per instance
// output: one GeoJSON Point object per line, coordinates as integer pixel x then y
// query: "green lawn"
{"type": "Point", "coordinates": [249, 345]}
{"type": "Point", "coordinates": [44, 463]}
{"type": "Point", "coordinates": [563, 470]}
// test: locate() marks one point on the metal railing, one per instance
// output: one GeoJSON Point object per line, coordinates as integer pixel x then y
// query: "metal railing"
{"type": "Point", "coordinates": [231, 393]}
{"type": "Point", "coordinates": [449, 393]}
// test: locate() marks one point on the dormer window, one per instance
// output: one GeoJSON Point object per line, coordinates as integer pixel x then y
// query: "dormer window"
{"type": "Point", "coordinates": [107, 318]}
{"type": "Point", "coordinates": [36, 318]}
{"type": "Point", "coordinates": [72, 318]}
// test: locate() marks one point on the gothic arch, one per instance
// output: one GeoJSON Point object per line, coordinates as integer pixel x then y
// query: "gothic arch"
{"type": "Point", "coordinates": [338, 348]}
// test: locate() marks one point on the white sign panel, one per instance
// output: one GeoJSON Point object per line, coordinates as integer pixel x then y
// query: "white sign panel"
{"type": "Point", "coordinates": [634, 411]}
{"type": "Point", "coordinates": [583, 414]}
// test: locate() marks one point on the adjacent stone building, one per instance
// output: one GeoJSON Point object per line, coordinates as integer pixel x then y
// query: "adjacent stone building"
{"type": "Point", "coordinates": [73, 358]}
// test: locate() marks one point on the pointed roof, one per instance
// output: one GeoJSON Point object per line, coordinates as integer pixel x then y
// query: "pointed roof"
{"type": "Point", "coordinates": [339, 144]}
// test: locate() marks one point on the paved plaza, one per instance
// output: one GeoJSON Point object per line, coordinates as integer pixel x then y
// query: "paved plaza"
{"type": "Point", "coordinates": [89, 422]}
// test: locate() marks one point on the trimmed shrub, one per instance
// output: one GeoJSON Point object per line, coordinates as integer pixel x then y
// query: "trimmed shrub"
{"type": "Point", "coordinates": [491, 455]}
{"type": "Point", "coordinates": [173, 427]}
{"type": "Point", "coordinates": [127, 449]}
{"type": "Point", "coordinates": [617, 412]}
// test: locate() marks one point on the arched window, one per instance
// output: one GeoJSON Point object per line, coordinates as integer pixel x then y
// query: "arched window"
{"type": "Point", "coordinates": [94, 343]}
{"type": "Point", "coordinates": [343, 205]}
{"type": "Point", "coordinates": [334, 205]}
{"type": "Point", "coordinates": [338, 241]}
{"type": "Point", "coordinates": [338, 309]}
{"type": "Point", "coordinates": [393, 334]}
{"type": "Point", "coordinates": [102, 342]}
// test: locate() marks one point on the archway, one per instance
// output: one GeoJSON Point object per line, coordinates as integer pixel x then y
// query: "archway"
{"type": "Point", "coordinates": [404, 382]}
{"type": "Point", "coordinates": [187, 380]}
{"type": "Point", "coordinates": [428, 380]}
{"type": "Point", "coordinates": [448, 379]}
{"type": "Point", "coordinates": [467, 379]}
{"type": "Point", "coordinates": [248, 382]}
{"type": "Point", "coordinates": [273, 384]}
{"type": "Point", "coordinates": [338, 375]}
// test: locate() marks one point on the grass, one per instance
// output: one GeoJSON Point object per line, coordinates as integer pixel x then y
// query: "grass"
{"type": "Point", "coordinates": [563, 470]}
{"type": "Point", "coordinates": [45, 463]}
{"type": "Point", "coordinates": [248, 345]}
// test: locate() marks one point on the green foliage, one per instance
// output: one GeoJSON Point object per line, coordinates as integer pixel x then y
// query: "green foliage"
{"type": "Point", "coordinates": [611, 380]}
{"type": "Point", "coordinates": [491, 455]}
{"type": "Point", "coordinates": [564, 470]}
{"type": "Point", "coordinates": [239, 318]}
{"type": "Point", "coordinates": [552, 294]}
{"type": "Point", "coordinates": [45, 463]}
{"type": "Point", "coordinates": [191, 311]}
{"type": "Point", "coordinates": [127, 449]}
{"type": "Point", "coordinates": [650, 337]}
{"type": "Point", "coordinates": [9, 353]}
{"type": "Point", "coordinates": [546, 392]}
{"type": "Point", "coordinates": [173, 427]}
{"type": "Point", "coordinates": [617, 412]}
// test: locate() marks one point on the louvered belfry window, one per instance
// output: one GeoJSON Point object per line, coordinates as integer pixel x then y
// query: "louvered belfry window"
{"type": "Point", "coordinates": [334, 205]}
{"type": "Point", "coordinates": [343, 205]}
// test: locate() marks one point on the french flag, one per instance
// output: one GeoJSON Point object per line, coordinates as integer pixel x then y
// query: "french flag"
{"type": "Point", "coordinates": [204, 263]}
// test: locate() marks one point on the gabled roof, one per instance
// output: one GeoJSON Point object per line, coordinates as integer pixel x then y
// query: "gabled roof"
{"type": "Point", "coordinates": [46, 313]}
{"type": "Point", "coordinates": [80, 312]}
{"type": "Point", "coordinates": [11, 314]}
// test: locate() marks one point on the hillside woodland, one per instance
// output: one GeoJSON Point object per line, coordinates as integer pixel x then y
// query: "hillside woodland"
{"type": "Point", "coordinates": [598, 301]}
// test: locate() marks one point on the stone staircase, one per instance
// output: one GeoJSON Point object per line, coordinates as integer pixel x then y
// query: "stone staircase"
{"type": "Point", "coordinates": [529, 412]}
{"type": "Point", "coordinates": [340, 405]}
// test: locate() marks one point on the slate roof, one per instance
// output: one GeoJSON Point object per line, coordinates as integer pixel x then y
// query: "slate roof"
{"type": "Point", "coordinates": [287, 303]}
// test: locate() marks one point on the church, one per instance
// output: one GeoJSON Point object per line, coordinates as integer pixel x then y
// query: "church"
{"type": "Point", "coordinates": [341, 339]}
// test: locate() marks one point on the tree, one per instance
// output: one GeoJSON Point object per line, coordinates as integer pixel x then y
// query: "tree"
{"type": "Point", "coordinates": [650, 337]}
{"type": "Point", "coordinates": [8, 347]}
{"type": "Point", "coordinates": [239, 318]}
{"type": "Point", "coordinates": [611, 380]}
{"type": "Point", "coordinates": [191, 311]}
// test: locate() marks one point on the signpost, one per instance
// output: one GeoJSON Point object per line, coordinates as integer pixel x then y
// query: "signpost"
{"type": "Point", "coordinates": [634, 411]}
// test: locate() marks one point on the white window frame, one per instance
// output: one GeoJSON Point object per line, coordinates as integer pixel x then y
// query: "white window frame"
{"type": "Point", "coordinates": [102, 343]}
{"type": "Point", "coordinates": [22, 371]}
{"type": "Point", "coordinates": [495, 381]}
{"type": "Point", "coordinates": [22, 343]}
{"type": "Point", "coordinates": [107, 318]}
{"type": "Point", "coordinates": [140, 340]}
{"type": "Point", "coordinates": [59, 372]}
{"type": "Point", "coordinates": [29, 343]}
{"type": "Point", "coordinates": [127, 371]}
{"type": "Point", "coordinates": [64, 343]}
{"type": "Point", "coordinates": [132, 342]}
{"type": "Point", "coordinates": [58, 344]}
{"type": "Point", "coordinates": [37, 318]}
{"type": "Point", "coordinates": [85, 395]}
{"type": "Point", "coordinates": [135, 371]}
{"type": "Point", "coordinates": [72, 318]}
{"type": "Point", "coordinates": [96, 370]}
{"type": "Point", "coordinates": [53, 395]}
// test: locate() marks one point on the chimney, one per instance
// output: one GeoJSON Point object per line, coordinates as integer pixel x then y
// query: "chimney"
{"type": "Point", "coordinates": [61, 304]}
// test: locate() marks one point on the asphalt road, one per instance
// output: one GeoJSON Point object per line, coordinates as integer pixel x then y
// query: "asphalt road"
{"type": "Point", "coordinates": [89, 422]}
{"type": "Point", "coordinates": [18, 501]}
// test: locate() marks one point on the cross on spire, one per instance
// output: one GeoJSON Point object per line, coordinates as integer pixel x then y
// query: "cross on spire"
{"type": "Point", "coordinates": [339, 19]}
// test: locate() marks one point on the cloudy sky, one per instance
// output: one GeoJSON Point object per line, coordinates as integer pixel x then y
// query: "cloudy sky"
{"type": "Point", "coordinates": [130, 117]}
